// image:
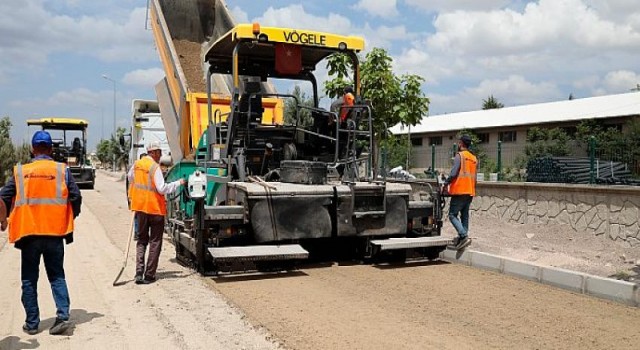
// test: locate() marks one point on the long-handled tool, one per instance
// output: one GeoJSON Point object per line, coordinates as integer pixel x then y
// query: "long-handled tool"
{"type": "Point", "coordinates": [126, 252]}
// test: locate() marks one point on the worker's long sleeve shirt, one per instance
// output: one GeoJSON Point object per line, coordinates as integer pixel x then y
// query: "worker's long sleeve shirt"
{"type": "Point", "coordinates": [158, 180]}
{"type": "Point", "coordinates": [455, 170]}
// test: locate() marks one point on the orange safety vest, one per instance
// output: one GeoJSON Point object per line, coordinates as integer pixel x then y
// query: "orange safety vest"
{"type": "Point", "coordinates": [41, 206]}
{"type": "Point", "coordinates": [347, 100]}
{"type": "Point", "coordinates": [143, 192]}
{"type": "Point", "coordinates": [465, 183]}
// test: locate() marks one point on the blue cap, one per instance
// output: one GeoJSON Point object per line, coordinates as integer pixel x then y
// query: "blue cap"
{"type": "Point", "coordinates": [466, 139]}
{"type": "Point", "coordinates": [41, 137]}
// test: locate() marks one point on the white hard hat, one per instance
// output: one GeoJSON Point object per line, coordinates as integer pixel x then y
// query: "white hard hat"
{"type": "Point", "coordinates": [152, 146]}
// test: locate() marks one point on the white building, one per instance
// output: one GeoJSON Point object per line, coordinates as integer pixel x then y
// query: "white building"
{"type": "Point", "coordinates": [437, 134]}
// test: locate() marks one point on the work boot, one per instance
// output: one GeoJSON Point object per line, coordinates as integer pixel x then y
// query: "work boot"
{"type": "Point", "coordinates": [59, 327]}
{"type": "Point", "coordinates": [30, 331]}
{"type": "Point", "coordinates": [148, 280]}
{"type": "Point", "coordinates": [139, 279]}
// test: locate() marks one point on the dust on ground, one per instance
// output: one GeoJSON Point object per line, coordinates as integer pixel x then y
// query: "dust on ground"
{"type": "Point", "coordinates": [554, 245]}
{"type": "Point", "coordinates": [179, 311]}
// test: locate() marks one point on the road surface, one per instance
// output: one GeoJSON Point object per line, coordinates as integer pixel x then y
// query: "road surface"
{"type": "Point", "coordinates": [332, 306]}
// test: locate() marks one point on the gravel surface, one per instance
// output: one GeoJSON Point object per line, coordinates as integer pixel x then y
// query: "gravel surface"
{"type": "Point", "coordinates": [191, 63]}
{"type": "Point", "coordinates": [420, 305]}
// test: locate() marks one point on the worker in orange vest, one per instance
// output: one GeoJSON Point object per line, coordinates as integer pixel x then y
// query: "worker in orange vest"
{"type": "Point", "coordinates": [43, 200]}
{"type": "Point", "coordinates": [147, 192]}
{"type": "Point", "coordinates": [348, 99]}
{"type": "Point", "coordinates": [462, 188]}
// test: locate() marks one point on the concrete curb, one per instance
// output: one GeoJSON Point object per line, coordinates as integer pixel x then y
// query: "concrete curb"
{"type": "Point", "coordinates": [607, 288]}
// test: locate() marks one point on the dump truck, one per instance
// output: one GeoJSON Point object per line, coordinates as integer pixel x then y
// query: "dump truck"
{"type": "Point", "coordinates": [69, 138]}
{"type": "Point", "coordinates": [262, 192]}
{"type": "Point", "coordinates": [147, 126]}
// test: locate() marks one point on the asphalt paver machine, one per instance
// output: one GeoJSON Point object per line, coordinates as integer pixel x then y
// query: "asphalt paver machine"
{"type": "Point", "coordinates": [263, 191]}
{"type": "Point", "coordinates": [69, 137]}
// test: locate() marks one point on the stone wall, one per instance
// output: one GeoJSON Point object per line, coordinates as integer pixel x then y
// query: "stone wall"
{"type": "Point", "coordinates": [612, 211]}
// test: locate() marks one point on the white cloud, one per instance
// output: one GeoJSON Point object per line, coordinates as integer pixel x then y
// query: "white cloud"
{"type": "Point", "coordinates": [381, 8]}
{"type": "Point", "coordinates": [613, 82]}
{"type": "Point", "coordinates": [295, 16]}
{"type": "Point", "coordinates": [453, 5]}
{"type": "Point", "coordinates": [515, 89]}
{"type": "Point", "coordinates": [562, 25]}
{"type": "Point", "coordinates": [76, 97]}
{"type": "Point", "coordinates": [30, 34]}
{"type": "Point", "coordinates": [239, 15]}
{"type": "Point", "coordinates": [621, 81]}
{"type": "Point", "coordinates": [615, 10]}
{"type": "Point", "coordinates": [416, 61]}
{"type": "Point", "coordinates": [143, 77]}
{"type": "Point", "coordinates": [588, 82]}
{"type": "Point", "coordinates": [512, 91]}
{"type": "Point", "coordinates": [385, 36]}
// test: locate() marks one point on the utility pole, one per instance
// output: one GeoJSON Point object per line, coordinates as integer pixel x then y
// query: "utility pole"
{"type": "Point", "coordinates": [114, 114]}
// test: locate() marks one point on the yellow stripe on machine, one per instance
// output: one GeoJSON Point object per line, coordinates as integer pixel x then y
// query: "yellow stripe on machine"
{"type": "Point", "coordinates": [300, 37]}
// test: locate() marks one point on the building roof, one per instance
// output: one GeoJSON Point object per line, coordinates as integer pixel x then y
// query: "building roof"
{"type": "Point", "coordinates": [552, 112]}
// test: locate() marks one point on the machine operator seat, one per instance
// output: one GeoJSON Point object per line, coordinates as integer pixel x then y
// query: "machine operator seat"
{"type": "Point", "coordinates": [251, 99]}
{"type": "Point", "coordinates": [76, 147]}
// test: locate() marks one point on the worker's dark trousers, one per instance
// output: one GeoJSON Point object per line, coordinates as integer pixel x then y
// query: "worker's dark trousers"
{"type": "Point", "coordinates": [150, 229]}
{"type": "Point", "coordinates": [52, 250]}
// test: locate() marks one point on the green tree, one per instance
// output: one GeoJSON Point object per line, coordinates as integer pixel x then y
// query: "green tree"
{"type": "Point", "coordinates": [339, 66]}
{"type": "Point", "coordinates": [611, 143]}
{"type": "Point", "coordinates": [103, 152]}
{"type": "Point", "coordinates": [547, 142]}
{"type": "Point", "coordinates": [397, 148]}
{"type": "Point", "coordinates": [290, 108]}
{"type": "Point", "coordinates": [393, 100]}
{"type": "Point", "coordinates": [7, 150]}
{"type": "Point", "coordinates": [491, 103]}
{"type": "Point", "coordinates": [23, 153]}
{"type": "Point", "coordinates": [119, 153]}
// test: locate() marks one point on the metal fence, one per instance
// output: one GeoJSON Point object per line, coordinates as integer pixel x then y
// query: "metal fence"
{"type": "Point", "coordinates": [509, 161]}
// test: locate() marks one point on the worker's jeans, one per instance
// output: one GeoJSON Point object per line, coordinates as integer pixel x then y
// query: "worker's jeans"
{"type": "Point", "coordinates": [52, 250]}
{"type": "Point", "coordinates": [460, 206]}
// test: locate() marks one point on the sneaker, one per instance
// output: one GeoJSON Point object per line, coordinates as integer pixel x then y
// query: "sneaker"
{"type": "Point", "coordinates": [454, 242]}
{"type": "Point", "coordinates": [463, 242]}
{"type": "Point", "coordinates": [30, 331]}
{"type": "Point", "coordinates": [59, 327]}
{"type": "Point", "coordinates": [139, 279]}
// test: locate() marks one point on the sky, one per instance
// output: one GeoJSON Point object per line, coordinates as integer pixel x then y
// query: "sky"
{"type": "Point", "coordinates": [54, 53]}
